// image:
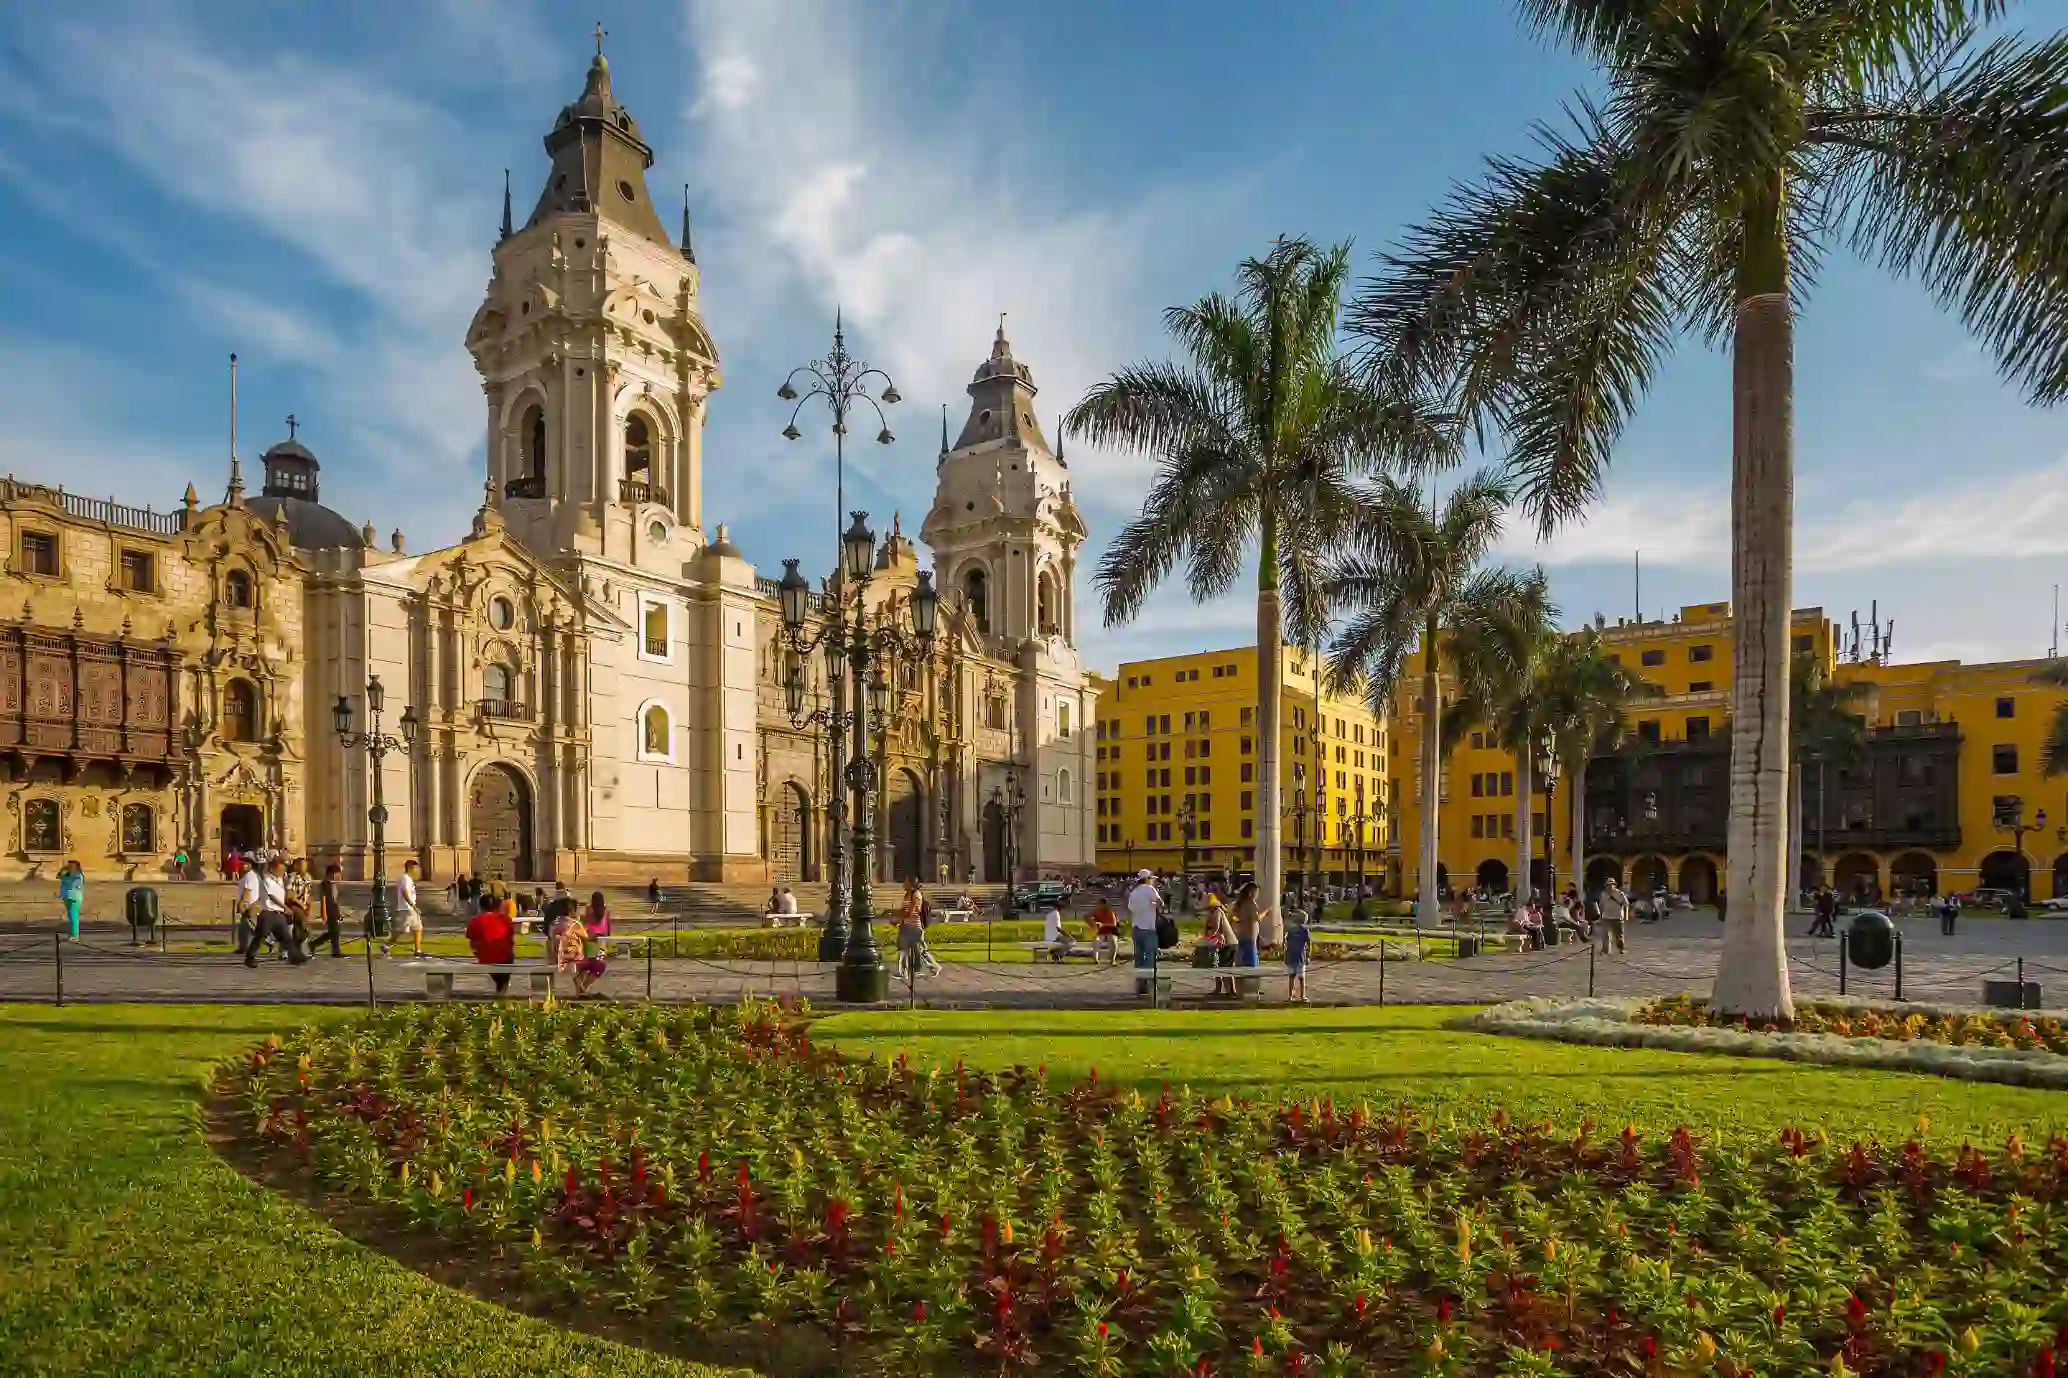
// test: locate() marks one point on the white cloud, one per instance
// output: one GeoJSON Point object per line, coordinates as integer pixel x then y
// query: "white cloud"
{"type": "Point", "coordinates": [1671, 525]}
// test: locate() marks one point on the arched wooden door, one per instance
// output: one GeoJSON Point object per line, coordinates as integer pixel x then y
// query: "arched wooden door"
{"type": "Point", "coordinates": [499, 824]}
{"type": "Point", "coordinates": [792, 840]}
{"type": "Point", "coordinates": [906, 819]}
{"type": "Point", "coordinates": [994, 842]}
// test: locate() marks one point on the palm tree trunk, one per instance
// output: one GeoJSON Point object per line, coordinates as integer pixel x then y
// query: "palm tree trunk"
{"type": "Point", "coordinates": [1752, 973]}
{"type": "Point", "coordinates": [1432, 780]}
{"type": "Point", "coordinates": [1270, 863]}
{"type": "Point", "coordinates": [1523, 817]}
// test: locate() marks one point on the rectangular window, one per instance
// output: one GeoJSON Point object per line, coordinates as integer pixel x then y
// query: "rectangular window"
{"type": "Point", "coordinates": [1909, 717]}
{"type": "Point", "coordinates": [1206, 721]}
{"type": "Point", "coordinates": [653, 619]}
{"type": "Point", "coordinates": [1151, 780]}
{"type": "Point", "coordinates": [139, 572]}
{"type": "Point", "coordinates": [1654, 658]}
{"type": "Point", "coordinates": [1248, 716]}
{"type": "Point", "coordinates": [1163, 751]}
{"type": "Point", "coordinates": [1206, 775]}
{"type": "Point", "coordinates": [1803, 642]}
{"type": "Point", "coordinates": [1166, 779]}
{"type": "Point", "coordinates": [1507, 783]}
{"type": "Point", "coordinates": [1132, 682]}
{"type": "Point", "coordinates": [1507, 825]}
{"type": "Point", "coordinates": [1478, 785]}
{"type": "Point", "coordinates": [39, 553]}
{"type": "Point", "coordinates": [1248, 800]}
{"type": "Point", "coordinates": [1191, 748]}
{"type": "Point", "coordinates": [1191, 775]}
{"type": "Point", "coordinates": [1701, 686]}
{"type": "Point", "coordinates": [1062, 719]}
{"type": "Point", "coordinates": [1247, 746]}
{"type": "Point", "coordinates": [1248, 828]}
{"type": "Point", "coordinates": [1206, 749]}
{"type": "Point", "coordinates": [1536, 823]}
{"type": "Point", "coordinates": [2003, 760]}
{"type": "Point", "coordinates": [2006, 708]}
{"type": "Point", "coordinates": [1248, 772]}
{"type": "Point", "coordinates": [1698, 729]}
{"type": "Point", "coordinates": [1648, 730]}
{"type": "Point", "coordinates": [1163, 725]}
{"type": "Point", "coordinates": [1478, 826]}
{"type": "Point", "coordinates": [1701, 653]}
{"type": "Point", "coordinates": [1206, 827]}
{"type": "Point", "coordinates": [1189, 718]}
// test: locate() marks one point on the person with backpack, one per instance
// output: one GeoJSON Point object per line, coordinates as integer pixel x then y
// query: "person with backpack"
{"type": "Point", "coordinates": [1144, 910]}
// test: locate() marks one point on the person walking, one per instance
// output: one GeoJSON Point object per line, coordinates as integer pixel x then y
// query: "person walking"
{"type": "Point", "coordinates": [299, 887]}
{"type": "Point", "coordinates": [1615, 916]}
{"type": "Point", "coordinates": [1144, 906]}
{"type": "Point", "coordinates": [273, 922]}
{"type": "Point", "coordinates": [1296, 941]}
{"type": "Point", "coordinates": [1949, 915]}
{"type": "Point", "coordinates": [1248, 919]}
{"type": "Point", "coordinates": [71, 895]}
{"type": "Point", "coordinates": [326, 909]}
{"type": "Point", "coordinates": [1824, 924]}
{"type": "Point", "coordinates": [408, 918]}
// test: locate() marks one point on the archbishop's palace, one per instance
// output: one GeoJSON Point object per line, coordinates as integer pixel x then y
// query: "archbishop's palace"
{"type": "Point", "coordinates": [598, 678]}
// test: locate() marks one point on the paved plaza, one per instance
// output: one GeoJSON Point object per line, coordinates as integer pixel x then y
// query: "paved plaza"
{"type": "Point", "coordinates": [1678, 954]}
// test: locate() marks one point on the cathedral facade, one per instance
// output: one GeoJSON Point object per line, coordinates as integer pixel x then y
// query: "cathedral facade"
{"type": "Point", "coordinates": [597, 680]}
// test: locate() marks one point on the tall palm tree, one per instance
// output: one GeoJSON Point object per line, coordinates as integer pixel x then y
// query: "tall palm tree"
{"type": "Point", "coordinates": [1500, 650]}
{"type": "Point", "coordinates": [1586, 694]}
{"type": "Point", "coordinates": [1825, 727]}
{"type": "Point", "coordinates": [1259, 438]}
{"type": "Point", "coordinates": [2053, 752]}
{"type": "Point", "coordinates": [1407, 576]}
{"type": "Point", "coordinates": [1733, 141]}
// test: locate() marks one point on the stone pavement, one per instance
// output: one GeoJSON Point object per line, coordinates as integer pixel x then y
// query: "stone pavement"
{"type": "Point", "coordinates": [1678, 954]}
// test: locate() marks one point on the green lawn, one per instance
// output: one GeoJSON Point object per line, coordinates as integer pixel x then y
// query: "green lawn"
{"type": "Point", "coordinates": [126, 1246]}
{"type": "Point", "coordinates": [1407, 1052]}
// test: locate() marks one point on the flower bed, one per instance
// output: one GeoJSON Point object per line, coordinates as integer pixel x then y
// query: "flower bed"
{"type": "Point", "coordinates": [2006, 1046]}
{"type": "Point", "coordinates": [722, 1182]}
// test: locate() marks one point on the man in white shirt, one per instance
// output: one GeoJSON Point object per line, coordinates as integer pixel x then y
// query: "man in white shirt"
{"type": "Point", "coordinates": [272, 916]}
{"type": "Point", "coordinates": [1059, 942]}
{"type": "Point", "coordinates": [250, 890]}
{"type": "Point", "coordinates": [1144, 906]}
{"type": "Point", "coordinates": [407, 918]}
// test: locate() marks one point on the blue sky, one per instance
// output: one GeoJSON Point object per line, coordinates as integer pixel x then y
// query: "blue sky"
{"type": "Point", "coordinates": [317, 188]}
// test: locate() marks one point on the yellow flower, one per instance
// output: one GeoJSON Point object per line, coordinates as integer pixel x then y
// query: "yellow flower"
{"type": "Point", "coordinates": [1705, 1346]}
{"type": "Point", "coordinates": [509, 1171]}
{"type": "Point", "coordinates": [1436, 1350]}
{"type": "Point", "coordinates": [1005, 1231]}
{"type": "Point", "coordinates": [536, 1242]}
{"type": "Point", "coordinates": [1924, 1124]}
{"type": "Point", "coordinates": [437, 1183]}
{"type": "Point", "coordinates": [535, 1174]}
{"type": "Point", "coordinates": [1969, 1340]}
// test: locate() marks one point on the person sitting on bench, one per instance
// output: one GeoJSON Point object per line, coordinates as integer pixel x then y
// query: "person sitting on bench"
{"type": "Point", "coordinates": [493, 938]}
{"type": "Point", "coordinates": [1060, 944]}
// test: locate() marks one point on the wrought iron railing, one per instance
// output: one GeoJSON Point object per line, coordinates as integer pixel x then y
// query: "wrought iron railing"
{"type": "Point", "coordinates": [526, 486]}
{"type": "Point", "coordinates": [635, 491]}
{"type": "Point", "coordinates": [509, 709]}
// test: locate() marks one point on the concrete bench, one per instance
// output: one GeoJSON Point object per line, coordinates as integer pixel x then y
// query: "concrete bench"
{"type": "Point", "coordinates": [959, 916]}
{"type": "Point", "coordinates": [1089, 949]}
{"type": "Point", "coordinates": [788, 920]}
{"type": "Point", "coordinates": [438, 975]}
{"type": "Point", "coordinates": [1171, 977]}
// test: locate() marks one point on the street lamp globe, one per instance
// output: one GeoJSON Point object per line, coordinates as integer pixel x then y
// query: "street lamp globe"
{"type": "Point", "coordinates": [342, 712]}
{"type": "Point", "coordinates": [879, 697]}
{"type": "Point", "coordinates": [793, 689]}
{"type": "Point", "coordinates": [858, 547]}
{"type": "Point", "coordinates": [374, 694]}
{"type": "Point", "coordinates": [836, 661]}
{"type": "Point", "coordinates": [790, 432]}
{"type": "Point", "coordinates": [926, 606]}
{"type": "Point", "coordinates": [409, 725]}
{"type": "Point", "coordinates": [793, 592]}
{"type": "Point", "coordinates": [786, 392]}
{"type": "Point", "coordinates": [884, 437]}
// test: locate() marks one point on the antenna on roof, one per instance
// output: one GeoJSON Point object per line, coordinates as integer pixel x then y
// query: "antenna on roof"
{"type": "Point", "coordinates": [506, 203]}
{"type": "Point", "coordinates": [235, 496]}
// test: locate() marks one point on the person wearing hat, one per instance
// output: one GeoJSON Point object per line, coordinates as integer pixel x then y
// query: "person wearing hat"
{"type": "Point", "coordinates": [1144, 906]}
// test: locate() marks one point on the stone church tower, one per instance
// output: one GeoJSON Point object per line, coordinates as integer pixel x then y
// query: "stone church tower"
{"type": "Point", "coordinates": [1005, 536]}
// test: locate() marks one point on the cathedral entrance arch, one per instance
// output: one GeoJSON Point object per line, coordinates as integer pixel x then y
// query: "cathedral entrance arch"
{"type": "Point", "coordinates": [244, 828]}
{"type": "Point", "coordinates": [905, 824]}
{"type": "Point", "coordinates": [792, 849]}
{"type": "Point", "coordinates": [499, 823]}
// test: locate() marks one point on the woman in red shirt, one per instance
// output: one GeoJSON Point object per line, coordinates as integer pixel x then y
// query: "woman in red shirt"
{"type": "Point", "coordinates": [493, 939]}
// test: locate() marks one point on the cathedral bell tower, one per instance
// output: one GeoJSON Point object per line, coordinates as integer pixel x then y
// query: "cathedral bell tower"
{"type": "Point", "coordinates": [593, 354]}
{"type": "Point", "coordinates": [1003, 528]}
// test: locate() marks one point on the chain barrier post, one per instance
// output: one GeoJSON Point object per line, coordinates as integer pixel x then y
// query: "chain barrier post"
{"type": "Point", "coordinates": [1382, 973]}
{"type": "Point", "coordinates": [1899, 964]}
{"type": "Point", "coordinates": [1841, 966]}
{"type": "Point", "coordinates": [2021, 985]}
{"type": "Point", "coordinates": [1590, 966]}
{"type": "Point", "coordinates": [57, 945]}
{"type": "Point", "coordinates": [648, 945]}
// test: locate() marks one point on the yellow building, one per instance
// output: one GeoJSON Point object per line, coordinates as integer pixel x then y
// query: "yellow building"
{"type": "Point", "coordinates": [1176, 745]}
{"type": "Point", "coordinates": [1946, 796]}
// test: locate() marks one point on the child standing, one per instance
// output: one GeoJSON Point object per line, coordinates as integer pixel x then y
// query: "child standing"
{"type": "Point", "coordinates": [1296, 938]}
{"type": "Point", "coordinates": [71, 893]}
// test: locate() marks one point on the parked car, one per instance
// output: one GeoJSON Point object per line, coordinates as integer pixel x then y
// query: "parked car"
{"type": "Point", "coordinates": [1987, 897]}
{"type": "Point", "coordinates": [2058, 904]}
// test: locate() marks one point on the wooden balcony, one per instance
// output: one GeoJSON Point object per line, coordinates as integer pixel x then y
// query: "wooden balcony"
{"type": "Point", "coordinates": [79, 698]}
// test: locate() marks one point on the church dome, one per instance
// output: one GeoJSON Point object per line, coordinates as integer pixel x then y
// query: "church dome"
{"type": "Point", "coordinates": [291, 494]}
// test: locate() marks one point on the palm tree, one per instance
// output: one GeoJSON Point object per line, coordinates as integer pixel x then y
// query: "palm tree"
{"type": "Point", "coordinates": [1260, 437]}
{"type": "Point", "coordinates": [1823, 727]}
{"type": "Point", "coordinates": [1586, 693]}
{"type": "Point", "coordinates": [1500, 650]}
{"type": "Point", "coordinates": [2053, 752]}
{"type": "Point", "coordinates": [1733, 141]}
{"type": "Point", "coordinates": [1408, 575]}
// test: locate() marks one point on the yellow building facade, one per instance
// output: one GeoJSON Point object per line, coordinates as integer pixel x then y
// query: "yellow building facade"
{"type": "Point", "coordinates": [1177, 750]}
{"type": "Point", "coordinates": [1947, 794]}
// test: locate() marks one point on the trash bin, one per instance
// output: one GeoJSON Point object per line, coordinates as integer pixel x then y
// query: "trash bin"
{"type": "Point", "coordinates": [140, 907]}
{"type": "Point", "coordinates": [1468, 945]}
{"type": "Point", "coordinates": [1870, 940]}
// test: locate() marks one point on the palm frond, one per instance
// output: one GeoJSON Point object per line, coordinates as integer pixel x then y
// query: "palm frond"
{"type": "Point", "coordinates": [2053, 751]}
{"type": "Point", "coordinates": [1965, 187]}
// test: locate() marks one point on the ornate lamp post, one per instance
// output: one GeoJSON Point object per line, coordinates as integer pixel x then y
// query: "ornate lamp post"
{"type": "Point", "coordinates": [1010, 802]}
{"type": "Point", "coordinates": [854, 652]}
{"type": "Point", "coordinates": [2012, 821]}
{"type": "Point", "coordinates": [796, 600]}
{"type": "Point", "coordinates": [1299, 811]}
{"type": "Point", "coordinates": [378, 744]}
{"type": "Point", "coordinates": [1359, 821]}
{"type": "Point", "coordinates": [1547, 771]}
{"type": "Point", "coordinates": [841, 381]}
{"type": "Point", "coordinates": [945, 737]}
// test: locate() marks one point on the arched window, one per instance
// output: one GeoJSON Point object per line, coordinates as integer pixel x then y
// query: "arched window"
{"type": "Point", "coordinates": [975, 588]}
{"type": "Point", "coordinates": [534, 433]}
{"type": "Point", "coordinates": [139, 828]}
{"type": "Point", "coordinates": [237, 589]}
{"type": "Point", "coordinates": [655, 738]}
{"type": "Point", "coordinates": [40, 830]}
{"type": "Point", "coordinates": [240, 711]}
{"type": "Point", "coordinates": [1063, 787]}
{"type": "Point", "coordinates": [1045, 603]}
{"type": "Point", "coordinates": [638, 449]}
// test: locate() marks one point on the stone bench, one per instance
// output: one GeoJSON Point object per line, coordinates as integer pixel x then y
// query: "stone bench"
{"type": "Point", "coordinates": [438, 975]}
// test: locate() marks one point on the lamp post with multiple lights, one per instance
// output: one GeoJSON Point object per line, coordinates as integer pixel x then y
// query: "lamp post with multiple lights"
{"type": "Point", "coordinates": [378, 744]}
{"type": "Point", "coordinates": [854, 648]}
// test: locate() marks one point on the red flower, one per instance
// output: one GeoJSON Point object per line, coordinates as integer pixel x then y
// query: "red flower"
{"type": "Point", "coordinates": [1443, 1310]}
{"type": "Point", "coordinates": [918, 1310]}
{"type": "Point", "coordinates": [1102, 1330]}
{"type": "Point", "coordinates": [467, 1199]}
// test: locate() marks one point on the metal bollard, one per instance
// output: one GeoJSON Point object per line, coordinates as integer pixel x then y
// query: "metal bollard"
{"type": "Point", "coordinates": [1899, 964]}
{"type": "Point", "coordinates": [1590, 967]}
{"type": "Point", "coordinates": [1382, 973]}
{"type": "Point", "coordinates": [1841, 966]}
{"type": "Point", "coordinates": [648, 945]}
{"type": "Point", "coordinates": [57, 945]}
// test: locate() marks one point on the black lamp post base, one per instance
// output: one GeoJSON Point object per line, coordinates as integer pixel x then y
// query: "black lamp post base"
{"type": "Point", "coordinates": [832, 942]}
{"type": "Point", "coordinates": [862, 985]}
